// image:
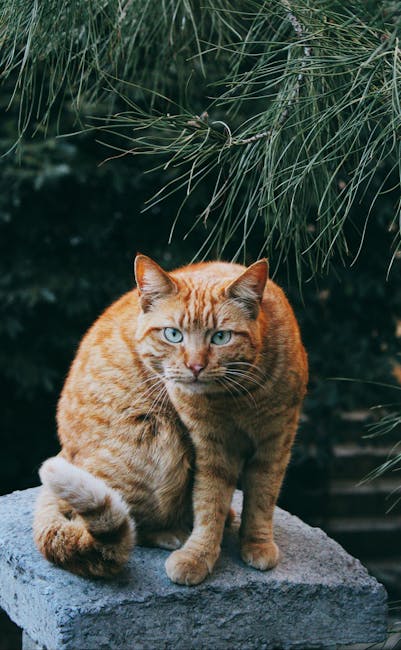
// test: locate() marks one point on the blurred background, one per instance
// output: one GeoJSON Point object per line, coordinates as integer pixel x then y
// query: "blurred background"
{"type": "Point", "coordinates": [71, 223]}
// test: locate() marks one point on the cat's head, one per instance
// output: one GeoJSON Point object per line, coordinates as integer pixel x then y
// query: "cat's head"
{"type": "Point", "coordinates": [200, 327]}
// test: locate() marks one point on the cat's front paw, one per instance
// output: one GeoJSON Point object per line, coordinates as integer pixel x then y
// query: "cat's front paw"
{"type": "Point", "coordinates": [262, 556]}
{"type": "Point", "coordinates": [186, 568]}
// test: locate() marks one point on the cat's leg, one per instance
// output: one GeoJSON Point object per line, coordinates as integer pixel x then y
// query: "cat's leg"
{"type": "Point", "coordinates": [172, 539]}
{"type": "Point", "coordinates": [261, 483]}
{"type": "Point", "coordinates": [215, 480]}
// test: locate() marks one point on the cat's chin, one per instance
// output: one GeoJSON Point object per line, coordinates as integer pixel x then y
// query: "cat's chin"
{"type": "Point", "coordinates": [197, 387]}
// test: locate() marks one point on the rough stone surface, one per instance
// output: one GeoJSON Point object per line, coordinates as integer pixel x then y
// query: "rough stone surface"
{"type": "Point", "coordinates": [317, 597]}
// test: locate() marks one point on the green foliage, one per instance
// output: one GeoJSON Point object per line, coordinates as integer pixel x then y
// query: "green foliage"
{"type": "Point", "coordinates": [282, 112]}
{"type": "Point", "coordinates": [388, 422]}
{"type": "Point", "coordinates": [74, 50]}
{"type": "Point", "coordinates": [302, 122]}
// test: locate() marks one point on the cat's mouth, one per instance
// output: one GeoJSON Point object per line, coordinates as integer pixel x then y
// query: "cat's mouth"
{"type": "Point", "coordinates": [192, 380]}
{"type": "Point", "coordinates": [196, 386]}
{"type": "Point", "coordinates": [193, 383]}
{"type": "Point", "coordinates": [203, 381]}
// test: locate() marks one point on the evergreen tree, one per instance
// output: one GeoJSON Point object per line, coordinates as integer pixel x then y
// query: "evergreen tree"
{"type": "Point", "coordinates": [284, 112]}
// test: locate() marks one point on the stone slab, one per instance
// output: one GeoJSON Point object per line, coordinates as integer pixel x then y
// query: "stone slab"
{"type": "Point", "coordinates": [317, 597]}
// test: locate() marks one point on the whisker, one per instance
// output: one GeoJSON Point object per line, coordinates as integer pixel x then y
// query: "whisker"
{"type": "Point", "coordinates": [225, 385]}
{"type": "Point", "coordinates": [245, 363]}
{"type": "Point", "coordinates": [156, 380]}
{"type": "Point", "coordinates": [159, 397]}
{"type": "Point", "coordinates": [249, 366]}
{"type": "Point", "coordinates": [135, 406]}
{"type": "Point", "coordinates": [149, 391]}
{"type": "Point", "coordinates": [241, 389]}
{"type": "Point", "coordinates": [163, 402]}
{"type": "Point", "coordinates": [246, 377]}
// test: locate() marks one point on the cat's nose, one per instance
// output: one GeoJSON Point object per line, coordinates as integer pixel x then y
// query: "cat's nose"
{"type": "Point", "coordinates": [196, 368]}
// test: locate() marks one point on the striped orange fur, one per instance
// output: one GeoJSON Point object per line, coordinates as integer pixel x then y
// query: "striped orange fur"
{"type": "Point", "coordinates": [184, 386]}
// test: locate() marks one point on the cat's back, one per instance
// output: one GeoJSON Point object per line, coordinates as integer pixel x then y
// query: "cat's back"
{"type": "Point", "coordinates": [112, 331]}
{"type": "Point", "coordinates": [106, 367]}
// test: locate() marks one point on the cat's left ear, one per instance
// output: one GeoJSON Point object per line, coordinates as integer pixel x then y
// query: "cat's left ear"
{"type": "Point", "coordinates": [153, 283]}
{"type": "Point", "coordinates": [247, 290]}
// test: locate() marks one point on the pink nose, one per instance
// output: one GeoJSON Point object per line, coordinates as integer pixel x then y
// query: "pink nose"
{"type": "Point", "coordinates": [196, 368]}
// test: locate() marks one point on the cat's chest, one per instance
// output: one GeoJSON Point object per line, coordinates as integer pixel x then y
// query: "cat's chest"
{"type": "Point", "coordinates": [203, 414]}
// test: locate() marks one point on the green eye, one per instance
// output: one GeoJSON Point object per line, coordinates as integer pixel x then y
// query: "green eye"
{"type": "Point", "coordinates": [172, 335]}
{"type": "Point", "coordinates": [222, 337]}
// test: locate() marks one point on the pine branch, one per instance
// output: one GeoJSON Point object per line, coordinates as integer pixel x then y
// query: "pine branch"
{"type": "Point", "coordinates": [299, 130]}
{"type": "Point", "coordinates": [304, 112]}
{"type": "Point", "coordinates": [79, 51]}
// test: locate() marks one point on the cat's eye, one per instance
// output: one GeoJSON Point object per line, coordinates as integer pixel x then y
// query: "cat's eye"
{"type": "Point", "coordinates": [172, 335]}
{"type": "Point", "coordinates": [221, 337]}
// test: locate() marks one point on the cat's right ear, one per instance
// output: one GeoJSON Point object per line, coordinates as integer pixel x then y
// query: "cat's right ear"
{"type": "Point", "coordinates": [153, 283]}
{"type": "Point", "coordinates": [247, 290]}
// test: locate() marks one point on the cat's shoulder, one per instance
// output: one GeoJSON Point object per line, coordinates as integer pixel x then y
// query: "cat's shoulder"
{"type": "Point", "coordinates": [123, 309]}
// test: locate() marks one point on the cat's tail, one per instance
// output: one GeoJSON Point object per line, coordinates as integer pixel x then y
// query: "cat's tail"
{"type": "Point", "coordinates": [80, 522]}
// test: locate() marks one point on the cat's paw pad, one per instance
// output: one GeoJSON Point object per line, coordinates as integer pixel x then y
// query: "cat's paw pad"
{"type": "Point", "coordinates": [260, 556]}
{"type": "Point", "coordinates": [186, 568]}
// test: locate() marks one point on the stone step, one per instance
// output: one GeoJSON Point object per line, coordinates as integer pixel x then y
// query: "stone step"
{"type": "Point", "coordinates": [376, 497]}
{"type": "Point", "coordinates": [366, 537]}
{"type": "Point", "coordinates": [362, 428]}
{"type": "Point", "coordinates": [357, 462]}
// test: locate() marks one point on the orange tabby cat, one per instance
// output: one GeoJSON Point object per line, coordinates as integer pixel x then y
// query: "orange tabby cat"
{"type": "Point", "coordinates": [182, 386]}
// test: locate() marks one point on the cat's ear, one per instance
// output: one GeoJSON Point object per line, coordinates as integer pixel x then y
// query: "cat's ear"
{"type": "Point", "coordinates": [247, 290]}
{"type": "Point", "coordinates": [153, 283]}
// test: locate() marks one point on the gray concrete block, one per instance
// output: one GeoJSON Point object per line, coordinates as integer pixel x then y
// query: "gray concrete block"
{"type": "Point", "coordinates": [317, 597]}
{"type": "Point", "coordinates": [28, 644]}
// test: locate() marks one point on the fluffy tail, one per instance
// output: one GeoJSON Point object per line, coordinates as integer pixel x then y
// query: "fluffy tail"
{"type": "Point", "coordinates": [80, 522]}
